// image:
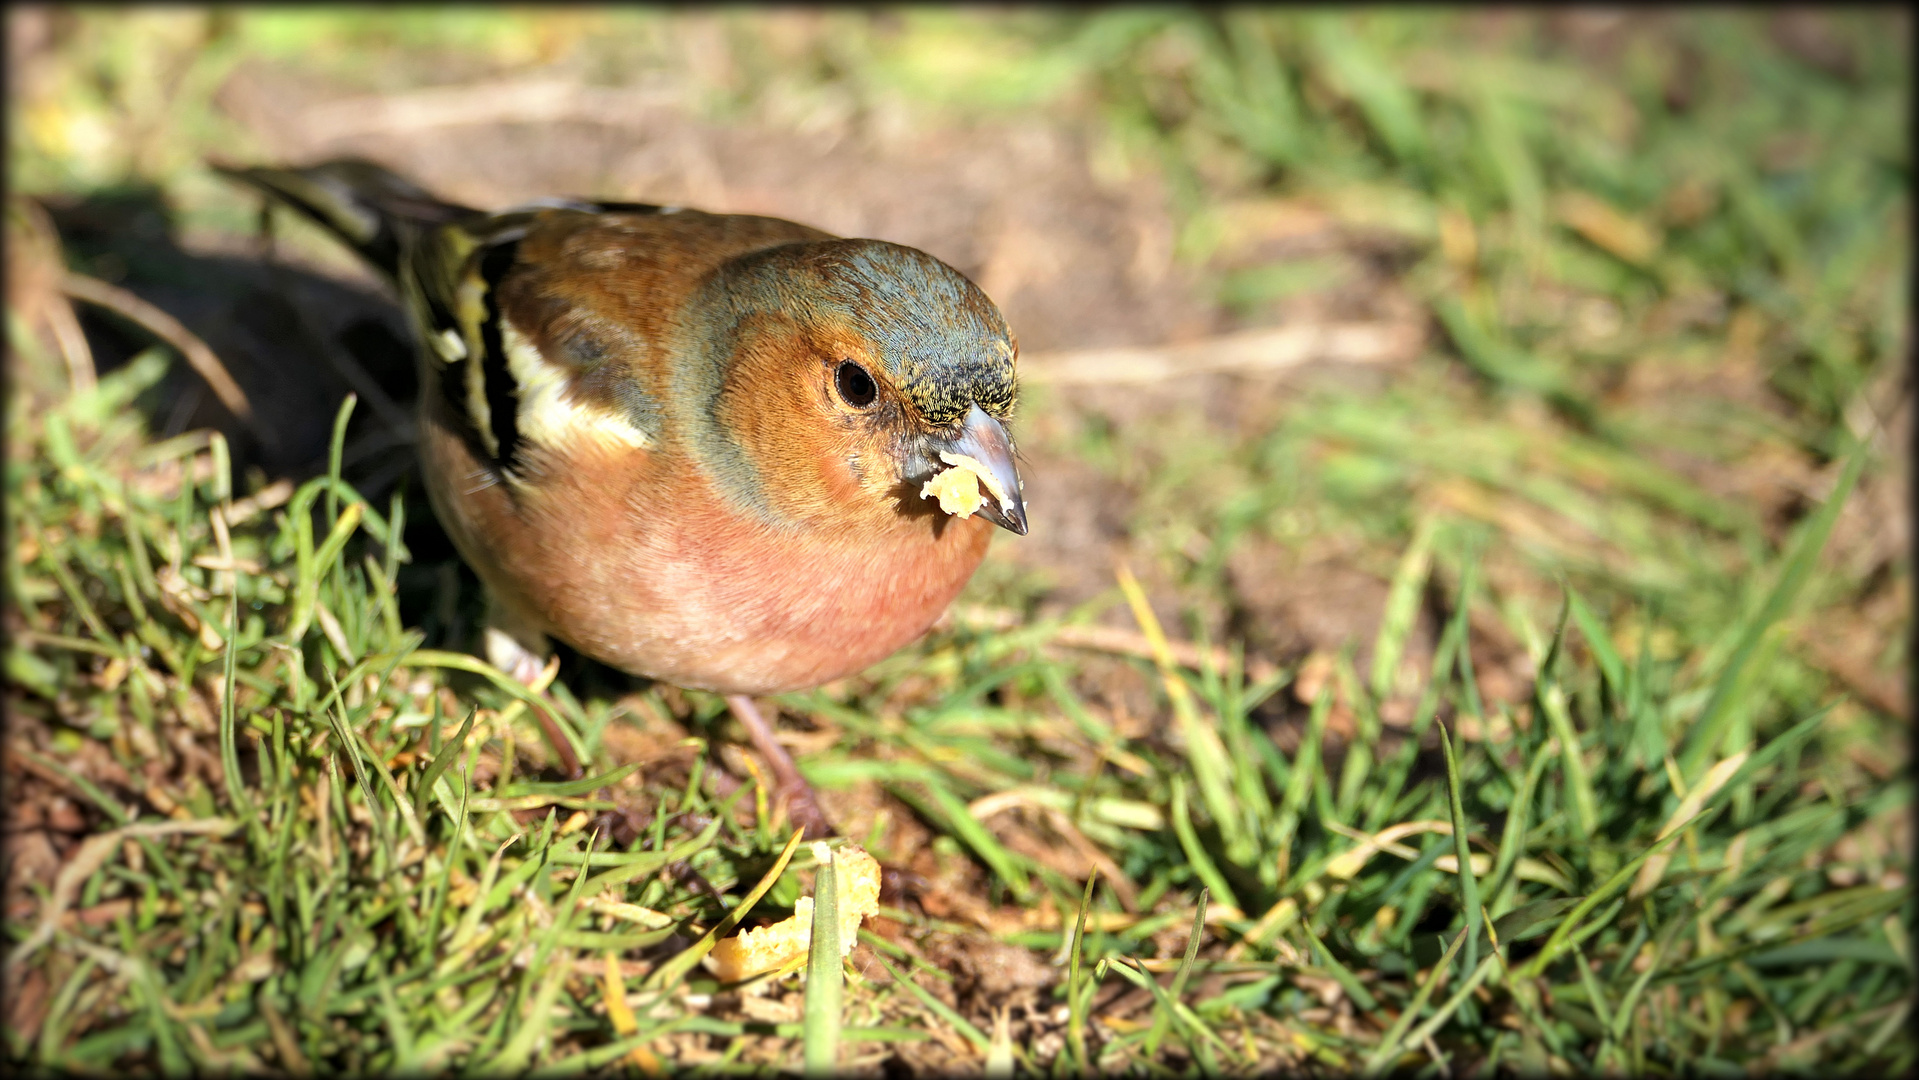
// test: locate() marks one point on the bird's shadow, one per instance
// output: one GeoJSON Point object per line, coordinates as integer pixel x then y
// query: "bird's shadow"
{"type": "Point", "coordinates": [296, 341]}
{"type": "Point", "coordinates": [915, 507]}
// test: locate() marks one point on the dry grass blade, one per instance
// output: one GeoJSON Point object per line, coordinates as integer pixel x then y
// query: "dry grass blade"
{"type": "Point", "coordinates": [671, 972]}
{"type": "Point", "coordinates": [85, 863]}
{"type": "Point", "coordinates": [1207, 753]}
{"type": "Point", "coordinates": [34, 267]}
{"type": "Point", "coordinates": [1113, 639]}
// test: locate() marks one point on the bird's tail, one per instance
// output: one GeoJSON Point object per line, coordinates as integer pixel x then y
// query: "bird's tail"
{"type": "Point", "coordinates": [371, 209]}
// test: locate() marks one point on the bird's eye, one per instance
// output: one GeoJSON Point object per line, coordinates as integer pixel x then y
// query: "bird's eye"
{"type": "Point", "coordinates": [856, 387]}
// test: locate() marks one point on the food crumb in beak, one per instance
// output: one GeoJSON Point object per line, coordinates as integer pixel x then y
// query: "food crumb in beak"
{"type": "Point", "coordinates": [958, 488]}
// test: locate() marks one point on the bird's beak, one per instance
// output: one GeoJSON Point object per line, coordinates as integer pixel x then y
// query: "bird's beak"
{"type": "Point", "coordinates": [985, 440]}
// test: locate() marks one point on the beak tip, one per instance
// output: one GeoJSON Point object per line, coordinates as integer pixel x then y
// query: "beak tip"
{"type": "Point", "coordinates": [1011, 518]}
{"type": "Point", "coordinates": [984, 439]}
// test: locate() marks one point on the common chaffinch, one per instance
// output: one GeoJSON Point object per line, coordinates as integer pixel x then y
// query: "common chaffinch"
{"type": "Point", "coordinates": [702, 448]}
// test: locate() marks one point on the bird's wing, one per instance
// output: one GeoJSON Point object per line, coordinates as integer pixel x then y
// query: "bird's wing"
{"type": "Point", "coordinates": [448, 262]}
{"type": "Point", "coordinates": [559, 326]}
{"type": "Point", "coordinates": [542, 325]}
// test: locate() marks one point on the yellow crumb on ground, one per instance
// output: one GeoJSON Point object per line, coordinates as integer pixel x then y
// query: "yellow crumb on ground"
{"type": "Point", "coordinates": [769, 948]}
{"type": "Point", "coordinates": [958, 488]}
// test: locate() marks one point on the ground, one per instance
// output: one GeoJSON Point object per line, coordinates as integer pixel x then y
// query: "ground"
{"type": "Point", "coordinates": [1362, 342]}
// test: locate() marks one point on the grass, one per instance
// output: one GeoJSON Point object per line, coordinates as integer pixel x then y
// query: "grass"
{"type": "Point", "coordinates": [314, 834]}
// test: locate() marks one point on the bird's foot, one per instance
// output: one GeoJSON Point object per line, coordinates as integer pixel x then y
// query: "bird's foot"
{"type": "Point", "coordinates": [506, 651]}
{"type": "Point", "coordinates": [802, 803]}
{"type": "Point", "coordinates": [803, 810]}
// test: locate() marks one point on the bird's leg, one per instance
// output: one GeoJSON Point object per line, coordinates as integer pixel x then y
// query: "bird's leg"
{"type": "Point", "coordinates": [802, 806]}
{"type": "Point", "coordinates": [521, 651]}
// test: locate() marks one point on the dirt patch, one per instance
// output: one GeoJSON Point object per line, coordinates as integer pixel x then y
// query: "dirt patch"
{"type": "Point", "coordinates": [1071, 262]}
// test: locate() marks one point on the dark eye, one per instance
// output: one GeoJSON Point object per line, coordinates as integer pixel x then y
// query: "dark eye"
{"type": "Point", "coordinates": [855, 385]}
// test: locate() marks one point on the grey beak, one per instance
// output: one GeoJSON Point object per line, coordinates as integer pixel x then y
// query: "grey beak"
{"type": "Point", "coordinates": [985, 439]}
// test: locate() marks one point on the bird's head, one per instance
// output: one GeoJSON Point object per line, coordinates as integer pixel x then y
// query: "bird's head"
{"type": "Point", "coordinates": [847, 374]}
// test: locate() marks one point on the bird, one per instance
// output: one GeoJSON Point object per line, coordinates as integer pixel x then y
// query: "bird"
{"type": "Point", "coordinates": [727, 452]}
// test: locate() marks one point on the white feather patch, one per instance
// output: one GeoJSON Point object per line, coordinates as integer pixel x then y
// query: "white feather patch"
{"type": "Point", "coordinates": [450, 345]}
{"type": "Point", "coordinates": [546, 415]}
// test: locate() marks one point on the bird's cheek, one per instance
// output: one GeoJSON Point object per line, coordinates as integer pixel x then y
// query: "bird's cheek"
{"type": "Point", "coordinates": [862, 473]}
{"type": "Point", "coordinates": [814, 471]}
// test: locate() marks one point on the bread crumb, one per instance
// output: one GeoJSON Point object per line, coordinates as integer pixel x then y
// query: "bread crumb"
{"type": "Point", "coordinates": [958, 488]}
{"type": "Point", "coordinates": [770, 948]}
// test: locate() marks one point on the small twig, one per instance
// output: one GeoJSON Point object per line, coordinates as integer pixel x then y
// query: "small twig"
{"type": "Point", "coordinates": [167, 329]}
{"type": "Point", "coordinates": [562, 746]}
{"type": "Point", "coordinates": [72, 342]}
{"type": "Point", "coordinates": [41, 255]}
{"type": "Point", "coordinates": [1249, 352]}
{"type": "Point", "coordinates": [524, 101]}
{"type": "Point", "coordinates": [540, 706]}
{"type": "Point", "coordinates": [271, 497]}
{"type": "Point", "coordinates": [1112, 639]}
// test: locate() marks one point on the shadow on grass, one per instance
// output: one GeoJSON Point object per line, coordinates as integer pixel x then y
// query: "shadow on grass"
{"type": "Point", "coordinates": [297, 342]}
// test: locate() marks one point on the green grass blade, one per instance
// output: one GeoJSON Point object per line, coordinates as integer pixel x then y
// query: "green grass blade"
{"type": "Point", "coordinates": [1199, 1038]}
{"type": "Point", "coordinates": [1585, 804]}
{"type": "Point", "coordinates": [1402, 608]}
{"type": "Point", "coordinates": [441, 762]}
{"type": "Point", "coordinates": [1180, 976]}
{"type": "Point", "coordinates": [1075, 1014]}
{"type": "Point", "coordinates": [336, 452]}
{"type": "Point", "coordinates": [229, 740]}
{"type": "Point", "coordinates": [1557, 943]}
{"type": "Point", "coordinates": [1385, 101]}
{"type": "Point", "coordinates": [1389, 1048]}
{"type": "Point", "coordinates": [1304, 774]}
{"type": "Point", "coordinates": [948, 810]}
{"type": "Point", "coordinates": [1468, 881]}
{"type": "Point", "coordinates": [307, 588]}
{"type": "Point", "coordinates": [1595, 994]}
{"type": "Point", "coordinates": [938, 1008]}
{"type": "Point", "coordinates": [1211, 765]}
{"type": "Point", "coordinates": [825, 979]}
{"type": "Point", "coordinates": [1362, 997]}
{"type": "Point", "coordinates": [1196, 855]}
{"type": "Point", "coordinates": [1512, 840]}
{"type": "Point", "coordinates": [1452, 1005]}
{"type": "Point", "coordinates": [1611, 667]}
{"type": "Point", "coordinates": [1704, 738]}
